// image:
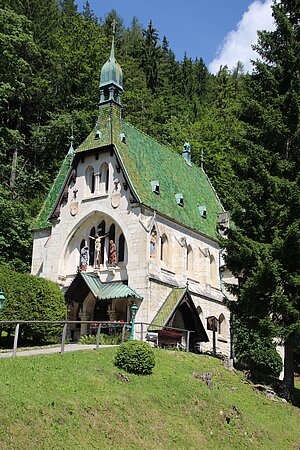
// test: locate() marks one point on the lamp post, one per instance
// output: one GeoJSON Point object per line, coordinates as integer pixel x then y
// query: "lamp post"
{"type": "Point", "coordinates": [133, 311]}
{"type": "Point", "coordinates": [2, 300]}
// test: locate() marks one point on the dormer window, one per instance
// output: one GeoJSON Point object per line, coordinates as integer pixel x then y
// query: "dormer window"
{"type": "Point", "coordinates": [202, 210]}
{"type": "Point", "coordinates": [123, 137]}
{"type": "Point", "coordinates": [179, 200]}
{"type": "Point", "coordinates": [98, 135]}
{"type": "Point", "coordinates": [155, 187]}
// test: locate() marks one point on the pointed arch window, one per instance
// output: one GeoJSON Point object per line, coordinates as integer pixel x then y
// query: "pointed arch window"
{"type": "Point", "coordinates": [101, 232]}
{"type": "Point", "coordinates": [189, 258]}
{"type": "Point", "coordinates": [164, 248]}
{"type": "Point", "coordinates": [121, 248]}
{"type": "Point", "coordinates": [213, 271]}
{"type": "Point", "coordinates": [82, 244]}
{"type": "Point", "coordinates": [112, 232]}
{"type": "Point", "coordinates": [104, 178]}
{"type": "Point", "coordinates": [222, 326]}
{"type": "Point", "coordinates": [90, 180]}
{"type": "Point", "coordinates": [92, 246]}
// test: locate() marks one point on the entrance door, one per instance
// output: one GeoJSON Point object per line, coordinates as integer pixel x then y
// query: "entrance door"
{"type": "Point", "coordinates": [100, 311]}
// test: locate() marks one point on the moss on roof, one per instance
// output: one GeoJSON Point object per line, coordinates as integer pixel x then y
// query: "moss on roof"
{"type": "Point", "coordinates": [146, 160]}
{"type": "Point", "coordinates": [166, 310]}
{"type": "Point", "coordinates": [42, 220]}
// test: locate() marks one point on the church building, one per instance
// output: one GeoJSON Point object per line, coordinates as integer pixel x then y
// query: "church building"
{"type": "Point", "coordinates": [127, 221]}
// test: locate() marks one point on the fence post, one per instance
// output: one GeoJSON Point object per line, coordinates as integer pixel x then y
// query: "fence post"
{"type": "Point", "coordinates": [188, 341]}
{"type": "Point", "coordinates": [123, 333]}
{"type": "Point", "coordinates": [63, 338]}
{"type": "Point", "coordinates": [16, 340]}
{"type": "Point", "coordinates": [142, 331]}
{"type": "Point", "coordinates": [98, 336]}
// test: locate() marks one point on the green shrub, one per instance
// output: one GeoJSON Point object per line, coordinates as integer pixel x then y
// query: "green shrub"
{"type": "Point", "coordinates": [87, 339]}
{"type": "Point", "coordinates": [105, 339]}
{"type": "Point", "coordinates": [32, 298]}
{"type": "Point", "coordinates": [135, 357]}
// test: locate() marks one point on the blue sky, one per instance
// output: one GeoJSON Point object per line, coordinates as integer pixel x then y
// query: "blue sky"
{"type": "Point", "coordinates": [219, 31]}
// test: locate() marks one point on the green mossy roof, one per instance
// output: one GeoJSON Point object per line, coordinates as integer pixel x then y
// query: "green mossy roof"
{"type": "Point", "coordinates": [167, 309]}
{"type": "Point", "coordinates": [146, 160]}
{"type": "Point", "coordinates": [42, 220]}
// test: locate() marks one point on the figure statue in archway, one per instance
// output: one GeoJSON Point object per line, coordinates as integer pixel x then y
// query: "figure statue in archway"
{"type": "Point", "coordinates": [98, 239]}
{"type": "Point", "coordinates": [84, 258]}
{"type": "Point", "coordinates": [153, 244]}
{"type": "Point", "coordinates": [112, 259]}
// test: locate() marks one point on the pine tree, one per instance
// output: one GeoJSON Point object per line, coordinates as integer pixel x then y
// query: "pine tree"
{"type": "Point", "coordinates": [151, 57]}
{"type": "Point", "coordinates": [264, 250]}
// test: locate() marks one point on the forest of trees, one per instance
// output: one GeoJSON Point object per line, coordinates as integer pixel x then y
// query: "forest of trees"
{"type": "Point", "coordinates": [246, 125]}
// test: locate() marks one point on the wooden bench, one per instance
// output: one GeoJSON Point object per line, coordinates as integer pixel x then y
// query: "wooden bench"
{"type": "Point", "coordinates": [166, 337]}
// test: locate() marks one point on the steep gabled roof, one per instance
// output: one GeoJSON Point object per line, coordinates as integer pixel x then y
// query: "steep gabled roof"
{"type": "Point", "coordinates": [144, 160]}
{"type": "Point", "coordinates": [42, 220]}
{"type": "Point", "coordinates": [167, 309]}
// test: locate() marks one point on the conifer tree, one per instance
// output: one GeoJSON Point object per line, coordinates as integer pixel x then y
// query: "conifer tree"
{"type": "Point", "coordinates": [151, 57]}
{"type": "Point", "coordinates": [264, 250]}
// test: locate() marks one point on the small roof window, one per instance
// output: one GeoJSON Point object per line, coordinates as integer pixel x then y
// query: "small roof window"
{"type": "Point", "coordinates": [202, 211]}
{"type": "Point", "coordinates": [155, 187]}
{"type": "Point", "coordinates": [98, 135]}
{"type": "Point", "coordinates": [123, 137]}
{"type": "Point", "coordinates": [179, 199]}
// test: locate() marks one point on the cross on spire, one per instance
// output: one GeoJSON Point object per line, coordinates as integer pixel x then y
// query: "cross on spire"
{"type": "Point", "coordinates": [113, 26]}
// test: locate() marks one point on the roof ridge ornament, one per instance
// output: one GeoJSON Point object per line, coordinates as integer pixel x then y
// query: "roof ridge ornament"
{"type": "Point", "coordinates": [111, 84]}
{"type": "Point", "coordinates": [112, 50]}
{"type": "Point", "coordinates": [71, 148]}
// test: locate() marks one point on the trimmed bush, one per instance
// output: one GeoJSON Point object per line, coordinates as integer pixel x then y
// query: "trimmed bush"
{"type": "Point", "coordinates": [135, 357]}
{"type": "Point", "coordinates": [32, 298]}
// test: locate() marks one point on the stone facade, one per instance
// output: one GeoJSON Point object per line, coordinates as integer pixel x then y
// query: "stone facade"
{"type": "Point", "coordinates": [181, 256]}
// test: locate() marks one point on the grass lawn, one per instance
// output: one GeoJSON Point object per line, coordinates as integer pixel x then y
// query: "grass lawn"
{"type": "Point", "coordinates": [76, 401]}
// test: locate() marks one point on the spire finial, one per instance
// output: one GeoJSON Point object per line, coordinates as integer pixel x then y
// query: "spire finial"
{"type": "Point", "coordinates": [112, 52]}
{"type": "Point", "coordinates": [71, 149]}
{"type": "Point", "coordinates": [113, 26]}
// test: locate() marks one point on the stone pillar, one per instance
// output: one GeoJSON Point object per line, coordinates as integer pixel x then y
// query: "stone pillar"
{"type": "Point", "coordinates": [111, 311]}
{"type": "Point", "coordinates": [97, 182]}
{"type": "Point", "coordinates": [84, 326]}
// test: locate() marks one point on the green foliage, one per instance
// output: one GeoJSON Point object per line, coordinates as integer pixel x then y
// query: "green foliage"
{"type": "Point", "coordinates": [264, 249]}
{"type": "Point", "coordinates": [256, 350]}
{"type": "Point", "coordinates": [32, 298]}
{"type": "Point", "coordinates": [15, 236]}
{"type": "Point", "coordinates": [105, 339]}
{"type": "Point", "coordinates": [135, 357]}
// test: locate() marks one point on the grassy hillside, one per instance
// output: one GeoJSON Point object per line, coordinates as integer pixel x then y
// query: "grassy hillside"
{"type": "Point", "coordinates": [76, 401]}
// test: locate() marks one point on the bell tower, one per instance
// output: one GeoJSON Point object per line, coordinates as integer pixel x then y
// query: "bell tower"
{"type": "Point", "coordinates": [111, 78]}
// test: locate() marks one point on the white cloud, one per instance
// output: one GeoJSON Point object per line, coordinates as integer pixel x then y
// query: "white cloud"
{"type": "Point", "coordinates": [237, 44]}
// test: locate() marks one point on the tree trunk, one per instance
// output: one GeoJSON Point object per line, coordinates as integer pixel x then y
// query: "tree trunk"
{"type": "Point", "coordinates": [289, 364]}
{"type": "Point", "coordinates": [13, 170]}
